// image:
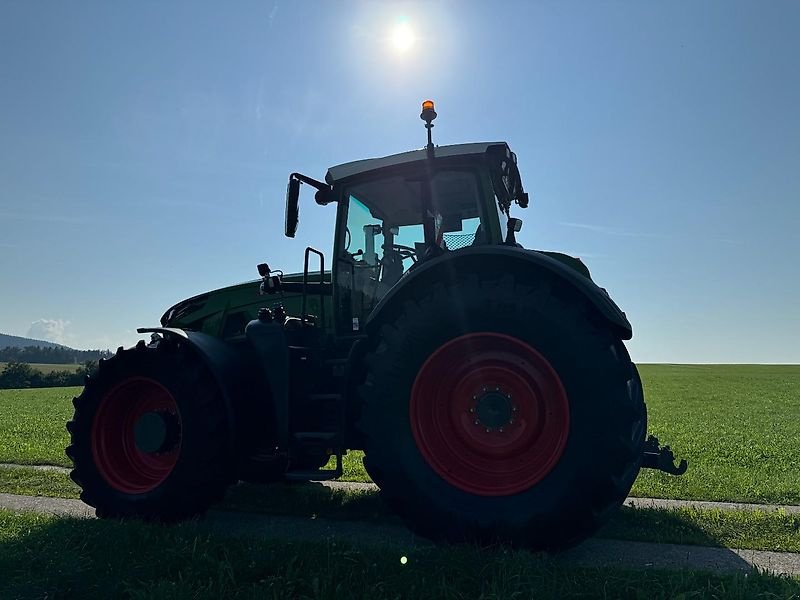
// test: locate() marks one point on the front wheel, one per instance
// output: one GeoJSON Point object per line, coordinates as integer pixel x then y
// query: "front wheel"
{"type": "Point", "coordinates": [499, 409]}
{"type": "Point", "coordinates": [149, 436]}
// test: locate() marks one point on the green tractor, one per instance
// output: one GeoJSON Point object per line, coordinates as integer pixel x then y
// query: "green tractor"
{"type": "Point", "coordinates": [487, 384]}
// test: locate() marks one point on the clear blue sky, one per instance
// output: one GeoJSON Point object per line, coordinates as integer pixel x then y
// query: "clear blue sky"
{"type": "Point", "coordinates": [144, 150]}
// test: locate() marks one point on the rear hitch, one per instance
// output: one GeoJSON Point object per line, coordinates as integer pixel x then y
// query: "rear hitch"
{"type": "Point", "coordinates": [661, 458]}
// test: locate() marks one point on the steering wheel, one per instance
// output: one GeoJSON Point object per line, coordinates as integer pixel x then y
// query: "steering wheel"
{"type": "Point", "coordinates": [348, 239]}
{"type": "Point", "coordinates": [405, 252]}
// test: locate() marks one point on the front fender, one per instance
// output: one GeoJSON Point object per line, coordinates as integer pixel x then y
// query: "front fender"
{"type": "Point", "coordinates": [498, 259]}
{"type": "Point", "coordinates": [225, 364]}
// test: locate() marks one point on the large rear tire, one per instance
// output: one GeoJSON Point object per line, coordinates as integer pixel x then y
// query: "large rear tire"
{"type": "Point", "coordinates": [500, 409]}
{"type": "Point", "coordinates": [149, 437]}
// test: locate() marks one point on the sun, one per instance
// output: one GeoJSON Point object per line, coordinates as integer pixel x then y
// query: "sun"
{"type": "Point", "coordinates": [403, 37]}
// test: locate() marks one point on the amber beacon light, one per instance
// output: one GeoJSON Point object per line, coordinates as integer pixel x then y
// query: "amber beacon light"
{"type": "Point", "coordinates": [428, 112]}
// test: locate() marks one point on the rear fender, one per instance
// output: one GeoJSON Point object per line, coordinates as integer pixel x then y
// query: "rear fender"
{"type": "Point", "coordinates": [499, 259]}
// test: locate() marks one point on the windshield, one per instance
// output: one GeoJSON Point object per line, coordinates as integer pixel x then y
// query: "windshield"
{"type": "Point", "coordinates": [386, 216]}
{"type": "Point", "coordinates": [389, 229]}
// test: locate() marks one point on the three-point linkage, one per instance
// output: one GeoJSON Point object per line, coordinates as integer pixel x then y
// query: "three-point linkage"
{"type": "Point", "coordinates": [661, 458]}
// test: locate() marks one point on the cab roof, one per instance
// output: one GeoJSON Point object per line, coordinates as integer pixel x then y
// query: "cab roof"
{"type": "Point", "coordinates": [345, 171]}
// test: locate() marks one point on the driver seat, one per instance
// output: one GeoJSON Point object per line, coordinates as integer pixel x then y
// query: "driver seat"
{"type": "Point", "coordinates": [391, 268]}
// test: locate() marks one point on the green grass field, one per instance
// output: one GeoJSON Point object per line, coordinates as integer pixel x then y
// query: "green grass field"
{"type": "Point", "coordinates": [33, 425]}
{"type": "Point", "coordinates": [41, 555]}
{"type": "Point", "coordinates": [46, 368]}
{"type": "Point", "coordinates": [737, 425]}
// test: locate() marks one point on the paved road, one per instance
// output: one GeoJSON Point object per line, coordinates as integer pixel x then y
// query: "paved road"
{"type": "Point", "coordinates": [635, 502]}
{"type": "Point", "coordinates": [594, 552]}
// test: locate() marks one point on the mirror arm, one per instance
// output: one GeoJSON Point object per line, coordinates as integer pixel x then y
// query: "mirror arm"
{"type": "Point", "coordinates": [324, 195]}
{"type": "Point", "coordinates": [310, 181]}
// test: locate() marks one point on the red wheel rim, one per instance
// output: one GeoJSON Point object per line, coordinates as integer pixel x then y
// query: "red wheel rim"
{"type": "Point", "coordinates": [121, 462]}
{"type": "Point", "coordinates": [489, 414]}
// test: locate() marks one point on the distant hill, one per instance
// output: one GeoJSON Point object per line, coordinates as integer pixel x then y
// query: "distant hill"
{"type": "Point", "coordinates": [21, 349]}
{"type": "Point", "coordinates": [14, 341]}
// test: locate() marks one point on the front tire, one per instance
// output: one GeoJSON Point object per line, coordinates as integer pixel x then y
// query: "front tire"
{"type": "Point", "coordinates": [149, 438]}
{"type": "Point", "coordinates": [500, 409]}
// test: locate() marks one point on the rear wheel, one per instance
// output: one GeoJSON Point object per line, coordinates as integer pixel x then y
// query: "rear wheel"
{"type": "Point", "coordinates": [501, 410]}
{"type": "Point", "coordinates": [149, 436]}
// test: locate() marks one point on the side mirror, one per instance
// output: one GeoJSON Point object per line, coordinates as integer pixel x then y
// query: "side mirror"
{"type": "Point", "coordinates": [292, 210]}
{"type": "Point", "coordinates": [324, 196]}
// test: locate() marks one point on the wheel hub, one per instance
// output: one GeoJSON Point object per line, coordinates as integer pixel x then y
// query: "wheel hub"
{"type": "Point", "coordinates": [494, 409]}
{"type": "Point", "coordinates": [156, 432]}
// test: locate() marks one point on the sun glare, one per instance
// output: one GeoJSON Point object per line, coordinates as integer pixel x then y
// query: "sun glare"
{"type": "Point", "coordinates": [403, 37]}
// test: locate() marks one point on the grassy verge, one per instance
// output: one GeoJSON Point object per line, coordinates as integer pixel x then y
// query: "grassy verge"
{"type": "Point", "coordinates": [42, 556]}
{"type": "Point", "coordinates": [35, 482]}
{"type": "Point", "coordinates": [736, 424]}
{"type": "Point", "coordinates": [752, 530]}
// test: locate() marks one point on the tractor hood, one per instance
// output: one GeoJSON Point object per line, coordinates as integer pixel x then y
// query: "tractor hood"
{"type": "Point", "coordinates": [195, 307]}
{"type": "Point", "coordinates": [225, 312]}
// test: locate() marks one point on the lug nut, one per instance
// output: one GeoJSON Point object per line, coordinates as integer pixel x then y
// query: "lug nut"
{"type": "Point", "coordinates": [501, 430]}
{"type": "Point", "coordinates": [477, 422]}
{"type": "Point", "coordinates": [488, 430]}
{"type": "Point", "coordinates": [472, 410]}
{"type": "Point", "coordinates": [514, 409]}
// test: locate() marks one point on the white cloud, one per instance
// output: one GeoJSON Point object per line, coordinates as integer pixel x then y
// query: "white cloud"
{"type": "Point", "coordinates": [51, 330]}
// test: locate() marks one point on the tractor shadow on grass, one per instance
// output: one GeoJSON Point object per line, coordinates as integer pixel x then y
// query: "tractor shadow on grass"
{"type": "Point", "coordinates": [662, 538]}
{"type": "Point", "coordinates": [311, 500]}
{"type": "Point", "coordinates": [44, 556]}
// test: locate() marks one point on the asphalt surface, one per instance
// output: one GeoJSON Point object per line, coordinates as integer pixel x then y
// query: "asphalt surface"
{"type": "Point", "coordinates": [634, 502]}
{"type": "Point", "coordinates": [593, 553]}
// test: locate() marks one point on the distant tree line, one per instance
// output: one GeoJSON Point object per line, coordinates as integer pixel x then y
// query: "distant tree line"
{"type": "Point", "coordinates": [21, 375]}
{"type": "Point", "coordinates": [51, 356]}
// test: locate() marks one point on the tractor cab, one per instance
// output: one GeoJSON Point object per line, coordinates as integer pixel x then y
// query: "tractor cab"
{"type": "Point", "coordinates": [400, 211]}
